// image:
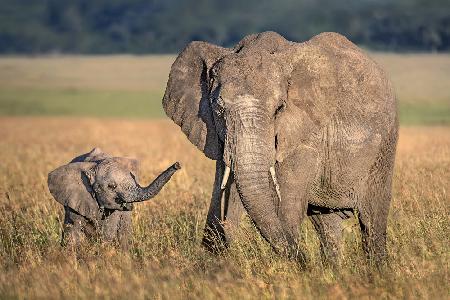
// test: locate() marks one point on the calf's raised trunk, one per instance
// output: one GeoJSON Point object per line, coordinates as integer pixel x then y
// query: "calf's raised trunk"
{"type": "Point", "coordinates": [140, 194]}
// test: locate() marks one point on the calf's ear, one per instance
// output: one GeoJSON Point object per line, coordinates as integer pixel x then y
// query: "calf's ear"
{"type": "Point", "coordinates": [70, 186]}
{"type": "Point", "coordinates": [95, 154]}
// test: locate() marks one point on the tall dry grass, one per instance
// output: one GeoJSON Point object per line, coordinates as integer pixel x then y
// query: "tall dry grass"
{"type": "Point", "coordinates": [166, 260]}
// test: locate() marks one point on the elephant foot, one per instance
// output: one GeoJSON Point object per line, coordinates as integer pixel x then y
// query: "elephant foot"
{"type": "Point", "coordinates": [294, 252]}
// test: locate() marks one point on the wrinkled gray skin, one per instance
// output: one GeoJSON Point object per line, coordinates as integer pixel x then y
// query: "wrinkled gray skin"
{"type": "Point", "coordinates": [321, 113]}
{"type": "Point", "coordinates": [98, 192]}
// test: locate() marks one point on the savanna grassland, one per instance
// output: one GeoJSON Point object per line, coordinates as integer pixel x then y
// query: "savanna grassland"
{"type": "Point", "coordinates": [54, 108]}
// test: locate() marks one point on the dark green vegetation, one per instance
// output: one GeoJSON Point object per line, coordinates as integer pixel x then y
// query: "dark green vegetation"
{"type": "Point", "coordinates": [166, 26]}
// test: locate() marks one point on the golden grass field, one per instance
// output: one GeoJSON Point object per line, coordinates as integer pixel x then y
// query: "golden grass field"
{"type": "Point", "coordinates": [166, 260]}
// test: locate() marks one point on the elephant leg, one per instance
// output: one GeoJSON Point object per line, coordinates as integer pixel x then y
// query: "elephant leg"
{"type": "Point", "coordinates": [73, 230]}
{"type": "Point", "coordinates": [373, 209]}
{"type": "Point", "coordinates": [214, 235]}
{"type": "Point", "coordinates": [294, 179]}
{"type": "Point", "coordinates": [329, 229]}
{"type": "Point", "coordinates": [373, 223]}
{"type": "Point", "coordinates": [373, 213]}
{"type": "Point", "coordinates": [117, 228]}
{"type": "Point", "coordinates": [124, 230]}
{"type": "Point", "coordinates": [233, 212]}
{"type": "Point", "coordinates": [218, 228]}
{"type": "Point", "coordinates": [110, 225]}
{"type": "Point", "coordinates": [373, 232]}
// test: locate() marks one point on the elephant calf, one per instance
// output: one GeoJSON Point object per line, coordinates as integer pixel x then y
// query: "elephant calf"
{"type": "Point", "coordinates": [98, 192]}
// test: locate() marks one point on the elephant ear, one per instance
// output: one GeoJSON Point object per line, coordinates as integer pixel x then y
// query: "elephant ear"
{"type": "Point", "coordinates": [70, 186]}
{"type": "Point", "coordinates": [95, 154]}
{"type": "Point", "coordinates": [186, 100]}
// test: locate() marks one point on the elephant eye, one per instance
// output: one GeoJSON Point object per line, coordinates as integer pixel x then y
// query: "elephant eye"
{"type": "Point", "coordinates": [112, 186]}
{"type": "Point", "coordinates": [280, 107]}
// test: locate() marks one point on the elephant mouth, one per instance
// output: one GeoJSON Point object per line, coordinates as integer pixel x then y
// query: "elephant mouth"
{"type": "Point", "coordinates": [225, 178]}
{"type": "Point", "coordinates": [125, 206]}
{"type": "Point", "coordinates": [118, 204]}
{"type": "Point", "coordinates": [119, 200]}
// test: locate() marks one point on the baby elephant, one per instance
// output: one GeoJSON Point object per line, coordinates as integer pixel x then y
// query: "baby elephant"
{"type": "Point", "coordinates": [98, 192]}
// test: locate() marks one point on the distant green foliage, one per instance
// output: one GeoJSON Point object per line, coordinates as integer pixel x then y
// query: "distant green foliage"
{"type": "Point", "coordinates": [126, 104]}
{"type": "Point", "coordinates": [434, 113]}
{"type": "Point", "coordinates": [118, 104]}
{"type": "Point", "coordinates": [166, 26]}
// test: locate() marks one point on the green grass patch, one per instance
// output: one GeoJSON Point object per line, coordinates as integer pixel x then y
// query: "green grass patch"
{"type": "Point", "coordinates": [75, 102]}
{"type": "Point", "coordinates": [436, 113]}
{"type": "Point", "coordinates": [147, 104]}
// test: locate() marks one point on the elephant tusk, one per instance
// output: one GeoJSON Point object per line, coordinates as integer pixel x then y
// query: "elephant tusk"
{"type": "Point", "coordinates": [222, 206]}
{"type": "Point", "coordinates": [275, 182]}
{"type": "Point", "coordinates": [226, 174]}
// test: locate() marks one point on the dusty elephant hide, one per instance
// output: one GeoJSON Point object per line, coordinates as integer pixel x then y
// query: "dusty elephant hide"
{"type": "Point", "coordinates": [297, 130]}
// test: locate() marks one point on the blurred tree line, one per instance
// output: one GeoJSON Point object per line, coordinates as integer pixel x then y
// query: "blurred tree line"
{"type": "Point", "coordinates": [166, 26]}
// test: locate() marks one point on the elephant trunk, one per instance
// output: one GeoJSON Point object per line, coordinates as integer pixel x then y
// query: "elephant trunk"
{"type": "Point", "coordinates": [251, 146]}
{"type": "Point", "coordinates": [145, 193]}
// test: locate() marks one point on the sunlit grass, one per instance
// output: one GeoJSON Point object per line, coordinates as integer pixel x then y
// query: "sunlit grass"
{"type": "Point", "coordinates": [166, 259]}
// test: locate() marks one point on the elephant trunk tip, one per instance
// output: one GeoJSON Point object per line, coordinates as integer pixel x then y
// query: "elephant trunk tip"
{"type": "Point", "coordinates": [146, 193]}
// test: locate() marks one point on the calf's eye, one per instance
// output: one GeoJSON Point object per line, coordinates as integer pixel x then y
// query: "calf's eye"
{"type": "Point", "coordinates": [112, 186]}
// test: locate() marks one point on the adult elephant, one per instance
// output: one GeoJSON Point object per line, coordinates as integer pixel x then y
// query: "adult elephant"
{"type": "Point", "coordinates": [303, 128]}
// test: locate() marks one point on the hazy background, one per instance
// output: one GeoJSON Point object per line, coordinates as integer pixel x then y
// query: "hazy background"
{"type": "Point", "coordinates": [79, 57]}
{"type": "Point", "coordinates": [112, 58]}
{"type": "Point", "coordinates": [166, 26]}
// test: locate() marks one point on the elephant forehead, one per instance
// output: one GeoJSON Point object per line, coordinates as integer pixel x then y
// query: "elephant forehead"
{"type": "Point", "coordinates": [260, 76]}
{"type": "Point", "coordinates": [249, 63]}
{"type": "Point", "coordinates": [111, 170]}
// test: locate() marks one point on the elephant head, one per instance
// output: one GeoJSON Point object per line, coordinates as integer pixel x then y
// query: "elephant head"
{"type": "Point", "coordinates": [95, 180]}
{"type": "Point", "coordinates": [231, 103]}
